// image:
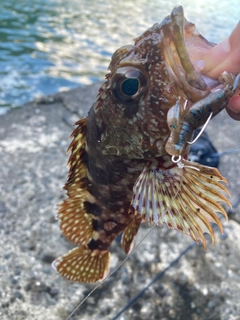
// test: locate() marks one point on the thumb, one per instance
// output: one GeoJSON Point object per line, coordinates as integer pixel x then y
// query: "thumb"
{"type": "Point", "coordinates": [225, 56]}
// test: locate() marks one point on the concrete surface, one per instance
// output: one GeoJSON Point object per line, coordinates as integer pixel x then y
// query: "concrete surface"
{"type": "Point", "coordinates": [202, 285]}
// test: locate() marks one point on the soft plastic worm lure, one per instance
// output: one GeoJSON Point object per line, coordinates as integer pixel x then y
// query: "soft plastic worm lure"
{"type": "Point", "coordinates": [183, 121]}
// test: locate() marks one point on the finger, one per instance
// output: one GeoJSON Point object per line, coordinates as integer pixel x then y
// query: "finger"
{"type": "Point", "coordinates": [233, 108]}
{"type": "Point", "coordinates": [225, 56]}
{"type": "Point", "coordinates": [233, 115]}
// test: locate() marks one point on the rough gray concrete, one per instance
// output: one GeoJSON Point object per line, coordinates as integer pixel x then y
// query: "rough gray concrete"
{"type": "Point", "coordinates": [202, 285]}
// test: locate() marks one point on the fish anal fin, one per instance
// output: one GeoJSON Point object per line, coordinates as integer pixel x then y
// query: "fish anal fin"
{"type": "Point", "coordinates": [130, 233]}
{"type": "Point", "coordinates": [83, 265]}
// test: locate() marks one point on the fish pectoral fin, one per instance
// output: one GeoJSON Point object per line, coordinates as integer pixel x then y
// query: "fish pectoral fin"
{"type": "Point", "coordinates": [154, 190]}
{"type": "Point", "coordinates": [184, 198]}
{"type": "Point", "coordinates": [83, 265]}
{"type": "Point", "coordinates": [129, 234]}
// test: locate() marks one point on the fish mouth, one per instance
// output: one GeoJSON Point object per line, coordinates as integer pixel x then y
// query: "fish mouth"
{"type": "Point", "coordinates": [184, 48]}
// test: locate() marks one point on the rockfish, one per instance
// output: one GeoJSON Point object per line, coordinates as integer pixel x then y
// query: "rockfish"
{"type": "Point", "coordinates": [128, 161]}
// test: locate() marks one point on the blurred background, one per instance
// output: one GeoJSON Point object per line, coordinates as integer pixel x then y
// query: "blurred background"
{"type": "Point", "coordinates": [52, 45]}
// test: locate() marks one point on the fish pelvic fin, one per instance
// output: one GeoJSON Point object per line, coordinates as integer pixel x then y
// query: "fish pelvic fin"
{"type": "Point", "coordinates": [129, 234]}
{"type": "Point", "coordinates": [83, 265]}
{"type": "Point", "coordinates": [184, 197]}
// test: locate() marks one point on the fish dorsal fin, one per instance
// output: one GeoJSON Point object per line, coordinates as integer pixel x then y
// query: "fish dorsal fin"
{"type": "Point", "coordinates": [75, 220]}
{"type": "Point", "coordinates": [84, 265]}
{"type": "Point", "coordinates": [184, 197]}
{"type": "Point", "coordinates": [78, 159]}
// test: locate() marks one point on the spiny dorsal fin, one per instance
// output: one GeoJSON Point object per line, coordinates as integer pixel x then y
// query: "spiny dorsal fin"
{"type": "Point", "coordinates": [77, 174]}
{"type": "Point", "coordinates": [83, 265]}
{"type": "Point", "coordinates": [185, 198]}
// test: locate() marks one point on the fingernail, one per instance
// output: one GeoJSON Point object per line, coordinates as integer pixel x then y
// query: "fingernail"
{"type": "Point", "coordinates": [232, 109]}
{"type": "Point", "coordinates": [199, 65]}
{"type": "Point", "coordinates": [234, 104]}
{"type": "Point", "coordinates": [225, 45]}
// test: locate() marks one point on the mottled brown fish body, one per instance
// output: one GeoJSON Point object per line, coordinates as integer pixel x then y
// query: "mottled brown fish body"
{"type": "Point", "coordinates": [100, 189]}
{"type": "Point", "coordinates": [121, 169]}
{"type": "Point", "coordinates": [111, 179]}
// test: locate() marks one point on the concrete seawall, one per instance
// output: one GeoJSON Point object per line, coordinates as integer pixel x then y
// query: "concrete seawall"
{"type": "Point", "coordinates": [33, 143]}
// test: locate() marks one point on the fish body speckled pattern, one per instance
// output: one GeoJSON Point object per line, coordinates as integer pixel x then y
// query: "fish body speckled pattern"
{"type": "Point", "coordinates": [122, 168]}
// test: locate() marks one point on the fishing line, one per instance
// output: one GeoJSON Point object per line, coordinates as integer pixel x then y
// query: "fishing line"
{"type": "Point", "coordinates": [158, 276]}
{"type": "Point", "coordinates": [134, 249]}
{"type": "Point", "coordinates": [162, 273]}
{"type": "Point", "coordinates": [120, 265]}
{"type": "Point", "coordinates": [223, 153]}
{"type": "Point", "coordinates": [110, 274]}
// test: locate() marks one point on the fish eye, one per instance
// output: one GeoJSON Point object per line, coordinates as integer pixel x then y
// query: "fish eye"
{"type": "Point", "coordinates": [129, 84]}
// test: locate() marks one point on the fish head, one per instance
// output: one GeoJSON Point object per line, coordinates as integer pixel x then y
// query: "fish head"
{"type": "Point", "coordinates": [144, 81]}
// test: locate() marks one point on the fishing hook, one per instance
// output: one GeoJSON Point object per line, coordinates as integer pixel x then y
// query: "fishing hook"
{"type": "Point", "coordinates": [201, 131]}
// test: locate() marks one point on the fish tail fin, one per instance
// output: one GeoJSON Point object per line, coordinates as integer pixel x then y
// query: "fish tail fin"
{"type": "Point", "coordinates": [83, 265]}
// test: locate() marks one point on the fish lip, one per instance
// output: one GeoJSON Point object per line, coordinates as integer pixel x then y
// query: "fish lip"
{"type": "Point", "coordinates": [195, 46]}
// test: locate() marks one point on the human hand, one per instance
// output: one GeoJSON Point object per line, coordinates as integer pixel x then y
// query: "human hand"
{"type": "Point", "coordinates": [226, 57]}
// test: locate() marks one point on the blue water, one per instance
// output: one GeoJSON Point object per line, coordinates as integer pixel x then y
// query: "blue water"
{"type": "Point", "coordinates": [51, 45]}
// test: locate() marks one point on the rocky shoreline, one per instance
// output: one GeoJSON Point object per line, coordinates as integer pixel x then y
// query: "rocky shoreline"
{"type": "Point", "coordinates": [33, 143]}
